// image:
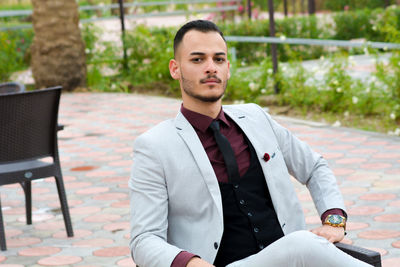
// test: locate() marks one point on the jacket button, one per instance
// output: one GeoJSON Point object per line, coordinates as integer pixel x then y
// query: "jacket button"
{"type": "Point", "coordinates": [215, 245]}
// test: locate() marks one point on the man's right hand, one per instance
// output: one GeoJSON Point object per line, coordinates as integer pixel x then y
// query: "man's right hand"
{"type": "Point", "coordinates": [197, 262]}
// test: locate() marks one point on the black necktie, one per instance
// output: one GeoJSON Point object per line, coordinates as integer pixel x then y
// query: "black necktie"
{"type": "Point", "coordinates": [227, 152]}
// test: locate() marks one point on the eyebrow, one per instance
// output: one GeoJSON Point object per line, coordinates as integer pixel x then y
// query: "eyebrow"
{"type": "Point", "coordinates": [202, 54]}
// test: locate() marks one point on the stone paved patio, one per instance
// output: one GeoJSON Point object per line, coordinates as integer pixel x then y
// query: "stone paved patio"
{"type": "Point", "coordinates": [96, 150]}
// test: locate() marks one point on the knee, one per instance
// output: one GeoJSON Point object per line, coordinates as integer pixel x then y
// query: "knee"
{"type": "Point", "coordinates": [304, 243]}
{"type": "Point", "coordinates": [301, 237]}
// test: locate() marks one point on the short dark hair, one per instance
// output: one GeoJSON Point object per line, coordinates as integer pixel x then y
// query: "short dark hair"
{"type": "Point", "coordinates": [198, 25]}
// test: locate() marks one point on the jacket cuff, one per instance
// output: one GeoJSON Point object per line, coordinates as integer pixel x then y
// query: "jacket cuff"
{"type": "Point", "coordinates": [182, 259]}
{"type": "Point", "coordinates": [333, 212]}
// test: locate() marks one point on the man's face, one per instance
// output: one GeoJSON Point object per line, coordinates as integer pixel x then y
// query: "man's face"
{"type": "Point", "coordinates": [201, 66]}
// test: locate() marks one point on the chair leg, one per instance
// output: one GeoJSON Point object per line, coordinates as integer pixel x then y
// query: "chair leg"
{"type": "Point", "coordinates": [3, 245]}
{"type": "Point", "coordinates": [64, 205]}
{"type": "Point", "coordinates": [27, 186]}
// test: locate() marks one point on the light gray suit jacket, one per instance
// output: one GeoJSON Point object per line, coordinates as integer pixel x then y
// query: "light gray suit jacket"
{"type": "Point", "coordinates": [175, 198]}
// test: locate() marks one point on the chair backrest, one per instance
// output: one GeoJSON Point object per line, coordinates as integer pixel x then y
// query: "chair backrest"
{"type": "Point", "coordinates": [28, 124]}
{"type": "Point", "coordinates": [11, 87]}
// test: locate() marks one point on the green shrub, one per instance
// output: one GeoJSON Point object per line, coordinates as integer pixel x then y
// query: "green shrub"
{"type": "Point", "coordinates": [339, 5]}
{"type": "Point", "coordinates": [150, 50]}
{"type": "Point", "coordinates": [14, 52]}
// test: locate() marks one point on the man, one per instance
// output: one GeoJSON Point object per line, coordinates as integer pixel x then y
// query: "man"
{"type": "Point", "coordinates": [212, 186]}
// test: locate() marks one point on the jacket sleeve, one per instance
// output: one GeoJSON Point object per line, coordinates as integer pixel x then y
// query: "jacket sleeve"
{"type": "Point", "coordinates": [149, 208]}
{"type": "Point", "coordinates": [309, 168]}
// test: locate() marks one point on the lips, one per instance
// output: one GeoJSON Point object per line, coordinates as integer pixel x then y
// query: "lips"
{"type": "Point", "coordinates": [211, 80]}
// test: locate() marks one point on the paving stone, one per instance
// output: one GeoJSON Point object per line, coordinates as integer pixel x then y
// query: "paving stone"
{"type": "Point", "coordinates": [365, 210]}
{"type": "Point", "coordinates": [59, 260]}
{"type": "Point", "coordinates": [128, 262]}
{"type": "Point", "coordinates": [112, 252]}
{"type": "Point", "coordinates": [77, 234]}
{"type": "Point", "coordinates": [39, 251]}
{"type": "Point", "coordinates": [352, 226]}
{"type": "Point", "coordinates": [379, 234]}
{"type": "Point", "coordinates": [376, 166]}
{"type": "Point", "coordinates": [96, 242]}
{"type": "Point", "coordinates": [381, 251]}
{"type": "Point", "coordinates": [377, 196]}
{"type": "Point", "coordinates": [351, 160]}
{"type": "Point", "coordinates": [396, 244]}
{"type": "Point", "coordinates": [391, 262]}
{"type": "Point", "coordinates": [22, 242]}
{"type": "Point", "coordinates": [110, 196]}
{"type": "Point", "coordinates": [101, 218]}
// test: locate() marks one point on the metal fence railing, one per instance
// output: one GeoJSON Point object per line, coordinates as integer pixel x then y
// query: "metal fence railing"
{"type": "Point", "coordinates": [302, 41]}
{"type": "Point", "coordinates": [232, 7]}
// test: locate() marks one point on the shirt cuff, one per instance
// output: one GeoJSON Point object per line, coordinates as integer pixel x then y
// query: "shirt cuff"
{"type": "Point", "coordinates": [182, 259]}
{"type": "Point", "coordinates": [333, 212]}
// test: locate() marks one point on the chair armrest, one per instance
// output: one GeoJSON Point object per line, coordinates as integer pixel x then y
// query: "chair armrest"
{"type": "Point", "coordinates": [362, 254]}
{"type": "Point", "coordinates": [60, 127]}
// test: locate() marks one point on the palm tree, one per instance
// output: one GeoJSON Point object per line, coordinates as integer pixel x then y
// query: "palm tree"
{"type": "Point", "coordinates": [58, 52]}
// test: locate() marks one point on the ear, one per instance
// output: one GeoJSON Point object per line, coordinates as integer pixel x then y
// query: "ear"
{"type": "Point", "coordinates": [174, 69]}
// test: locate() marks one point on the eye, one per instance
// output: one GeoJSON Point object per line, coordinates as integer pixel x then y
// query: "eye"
{"type": "Point", "coordinates": [196, 60]}
{"type": "Point", "coordinates": [220, 59]}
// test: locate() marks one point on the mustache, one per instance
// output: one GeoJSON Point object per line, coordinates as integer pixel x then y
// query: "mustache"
{"type": "Point", "coordinates": [211, 77]}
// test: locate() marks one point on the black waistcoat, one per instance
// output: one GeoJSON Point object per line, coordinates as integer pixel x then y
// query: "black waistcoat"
{"type": "Point", "coordinates": [250, 221]}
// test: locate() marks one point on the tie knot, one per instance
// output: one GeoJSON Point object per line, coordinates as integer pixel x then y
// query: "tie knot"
{"type": "Point", "coordinates": [214, 126]}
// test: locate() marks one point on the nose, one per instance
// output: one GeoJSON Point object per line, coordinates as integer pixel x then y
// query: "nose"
{"type": "Point", "coordinates": [211, 67]}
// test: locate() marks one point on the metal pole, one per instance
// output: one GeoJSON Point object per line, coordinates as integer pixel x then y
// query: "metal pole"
{"type": "Point", "coordinates": [249, 8]}
{"type": "Point", "coordinates": [311, 7]}
{"type": "Point", "coordinates": [122, 18]}
{"type": "Point", "coordinates": [387, 3]}
{"type": "Point", "coordinates": [285, 9]}
{"type": "Point", "coordinates": [273, 46]}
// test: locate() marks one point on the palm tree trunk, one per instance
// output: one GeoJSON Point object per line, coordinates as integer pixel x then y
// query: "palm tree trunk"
{"type": "Point", "coordinates": [58, 52]}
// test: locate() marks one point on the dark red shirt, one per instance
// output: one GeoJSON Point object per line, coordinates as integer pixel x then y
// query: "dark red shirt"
{"type": "Point", "coordinates": [239, 145]}
{"type": "Point", "coordinates": [231, 131]}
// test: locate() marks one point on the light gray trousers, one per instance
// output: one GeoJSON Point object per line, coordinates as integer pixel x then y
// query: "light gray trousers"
{"type": "Point", "coordinates": [300, 249]}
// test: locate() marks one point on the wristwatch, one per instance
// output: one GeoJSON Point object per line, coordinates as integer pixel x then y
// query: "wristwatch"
{"type": "Point", "coordinates": [335, 220]}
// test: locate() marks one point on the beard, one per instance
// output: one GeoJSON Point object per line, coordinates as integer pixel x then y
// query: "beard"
{"type": "Point", "coordinates": [188, 88]}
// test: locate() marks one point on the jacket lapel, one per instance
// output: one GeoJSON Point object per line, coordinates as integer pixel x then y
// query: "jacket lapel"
{"type": "Point", "coordinates": [242, 121]}
{"type": "Point", "coordinates": [254, 136]}
{"type": "Point", "coordinates": [189, 136]}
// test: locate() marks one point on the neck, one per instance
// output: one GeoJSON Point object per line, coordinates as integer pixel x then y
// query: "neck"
{"type": "Point", "coordinates": [211, 109]}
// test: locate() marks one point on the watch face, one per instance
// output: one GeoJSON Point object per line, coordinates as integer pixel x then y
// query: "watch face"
{"type": "Point", "coordinates": [335, 219]}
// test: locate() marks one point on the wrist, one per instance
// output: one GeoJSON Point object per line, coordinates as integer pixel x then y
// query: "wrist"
{"type": "Point", "coordinates": [335, 220]}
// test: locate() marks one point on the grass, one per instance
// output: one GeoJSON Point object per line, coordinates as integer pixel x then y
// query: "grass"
{"type": "Point", "coordinates": [366, 123]}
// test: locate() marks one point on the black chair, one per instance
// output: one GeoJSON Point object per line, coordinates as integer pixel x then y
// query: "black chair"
{"type": "Point", "coordinates": [363, 254]}
{"type": "Point", "coordinates": [28, 146]}
{"type": "Point", "coordinates": [11, 87]}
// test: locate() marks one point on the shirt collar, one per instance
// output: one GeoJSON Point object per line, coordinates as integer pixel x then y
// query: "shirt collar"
{"type": "Point", "coordinates": [202, 122]}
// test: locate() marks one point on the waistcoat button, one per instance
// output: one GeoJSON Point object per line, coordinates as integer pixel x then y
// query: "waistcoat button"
{"type": "Point", "coordinates": [241, 201]}
{"type": "Point", "coordinates": [256, 230]}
